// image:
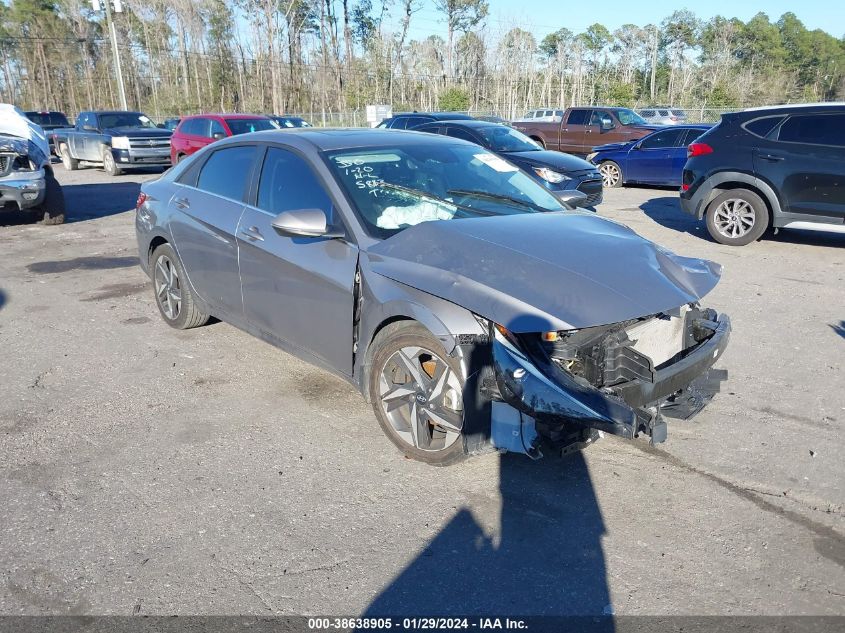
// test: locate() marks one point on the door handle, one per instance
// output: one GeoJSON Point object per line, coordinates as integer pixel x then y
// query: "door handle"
{"type": "Point", "coordinates": [252, 234]}
{"type": "Point", "coordinates": [182, 203]}
{"type": "Point", "coordinates": [771, 157]}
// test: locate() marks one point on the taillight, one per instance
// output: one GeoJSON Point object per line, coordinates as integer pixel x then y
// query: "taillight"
{"type": "Point", "coordinates": [698, 149]}
{"type": "Point", "coordinates": [142, 198]}
{"type": "Point", "coordinates": [685, 187]}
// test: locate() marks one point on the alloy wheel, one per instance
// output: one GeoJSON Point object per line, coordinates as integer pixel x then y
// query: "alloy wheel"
{"type": "Point", "coordinates": [422, 399]}
{"type": "Point", "coordinates": [610, 174]}
{"type": "Point", "coordinates": [167, 287]}
{"type": "Point", "coordinates": [734, 218]}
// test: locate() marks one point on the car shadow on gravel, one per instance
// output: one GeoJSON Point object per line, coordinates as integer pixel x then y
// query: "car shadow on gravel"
{"type": "Point", "coordinates": [667, 212]}
{"type": "Point", "coordinates": [99, 200]}
{"type": "Point", "coordinates": [546, 559]}
{"type": "Point", "coordinates": [2, 299]}
{"type": "Point", "coordinates": [85, 202]}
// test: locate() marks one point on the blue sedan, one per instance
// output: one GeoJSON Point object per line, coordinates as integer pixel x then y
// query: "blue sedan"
{"type": "Point", "coordinates": [656, 159]}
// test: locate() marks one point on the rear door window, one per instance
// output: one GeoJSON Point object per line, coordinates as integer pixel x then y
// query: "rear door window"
{"type": "Point", "coordinates": [414, 121]}
{"type": "Point", "coordinates": [663, 139]}
{"type": "Point", "coordinates": [578, 117]}
{"type": "Point", "coordinates": [814, 129]}
{"type": "Point", "coordinates": [227, 172]}
{"type": "Point", "coordinates": [456, 132]}
{"type": "Point", "coordinates": [691, 135]}
{"type": "Point", "coordinates": [762, 126]}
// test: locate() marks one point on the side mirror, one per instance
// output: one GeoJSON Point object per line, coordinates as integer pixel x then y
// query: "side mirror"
{"type": "Point", "coordinates": [304, 223]}
{"type": "Point", "coordinates": [572, 199]}
{"type": "Point", "coordinates": [218, 135]}
{"type": "Point", "coordinates": [638, 145]}
{"type": "Point", "coordinates": [607, 124]}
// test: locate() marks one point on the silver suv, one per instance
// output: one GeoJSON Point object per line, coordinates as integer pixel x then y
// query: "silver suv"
{"type": "Point", "coordinates": [664, 116]}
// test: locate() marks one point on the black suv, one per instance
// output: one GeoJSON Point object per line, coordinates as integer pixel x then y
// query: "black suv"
{"type": "Point", "coordinates": [767, 167]}
{"type": "Point", "coordinates": [407, 120]}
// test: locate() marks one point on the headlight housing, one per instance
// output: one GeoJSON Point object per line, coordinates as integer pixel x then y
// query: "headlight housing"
{"type": "Point", "coordinates": [120, 142]}
{"type": "Point", "coordinates": [550, 175]}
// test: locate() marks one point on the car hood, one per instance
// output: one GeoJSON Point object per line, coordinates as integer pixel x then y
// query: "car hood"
{"type": "Point", "coordinates": [139, 132]}
{"type": "Point", "coordinates": [557, 161]}
{"type": "Point", "coordinates": [544, 271]}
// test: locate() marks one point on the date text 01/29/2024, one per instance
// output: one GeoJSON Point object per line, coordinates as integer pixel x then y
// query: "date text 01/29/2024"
{"type": "Point", "coordinates": [415, 624]}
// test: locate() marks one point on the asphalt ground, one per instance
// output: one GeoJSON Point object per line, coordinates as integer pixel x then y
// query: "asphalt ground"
{"type": "Point", "coordinates": [152, 471]}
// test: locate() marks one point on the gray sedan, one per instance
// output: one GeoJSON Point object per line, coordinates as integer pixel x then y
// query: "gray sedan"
{"type": "Point", "coordinates": [467, 303]}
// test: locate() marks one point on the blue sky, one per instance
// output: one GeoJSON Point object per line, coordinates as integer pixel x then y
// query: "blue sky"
{"type": "Point", "coordinates": [542, 17]}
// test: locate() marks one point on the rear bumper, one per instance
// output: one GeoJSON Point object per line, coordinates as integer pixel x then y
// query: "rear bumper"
{"type": "Point", "coordinates": [24, 191]}
{"type": "Point", "coordinates": [679, 390]}
{"type": "Point", "coordinates": [693, 200]}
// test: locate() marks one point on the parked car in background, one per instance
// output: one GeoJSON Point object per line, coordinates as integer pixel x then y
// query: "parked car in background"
{"type": "Point", "coordinates": [117, 139]}
{"type": "Point", "coordinates": [663, 116]}
{"type": "Point", "coordinates": [197, 131]}
{"type": "Point", "coordinates": [171, 123]}
{"type": "Point", "coordinates": [774, 167]}
{"type": "Point", "coordinates": [559, 173]}
{"type": "Point", "coordinates": [543, 115]}
{"type": "Point", "coordinates": [412, 119]}
{"type": "Point", "coordinates": [27, 182]}
{"type": "Point", "coordinates": [289, 121]}
{"type": "Point", "coordinates": [655, 159]}
{"type": "Point", "coordinates": [49, 121]}
{"type": "Point", "coordinates": [458, 295]}
{"type": "Point", "coordinates": [582, 129]}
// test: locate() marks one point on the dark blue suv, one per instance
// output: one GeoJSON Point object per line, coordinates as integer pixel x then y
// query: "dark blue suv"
{"type": "Point", "coordinates": [768, 167]}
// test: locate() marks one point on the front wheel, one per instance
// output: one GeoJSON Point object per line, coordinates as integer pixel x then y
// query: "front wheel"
{"type": "Point", "coordinates": [109, 164]}
{"type": "Point", "coordinates": [611, 174]}
{"type": "Point", "coordinates": [417, 393]}
{"type": "Point", "coordinates": [737, 217]}
{"type": "Point", "coordinates": [175, 300]}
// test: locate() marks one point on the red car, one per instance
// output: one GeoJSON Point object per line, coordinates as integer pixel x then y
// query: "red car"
{"type": "Point", "coordinates": [195, 132]}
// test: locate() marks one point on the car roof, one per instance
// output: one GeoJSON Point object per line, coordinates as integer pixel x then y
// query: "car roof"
{"type": "Point", "coordinates": [472, 124]}
{"type": "Point", "coordinates": [436, 115]}
{"type": "Point", "coordinates": [232, 115]}
{"type": "Point", "coordinates": [798, 106]}
{"type": "Point", "coordinates": [344, 138]}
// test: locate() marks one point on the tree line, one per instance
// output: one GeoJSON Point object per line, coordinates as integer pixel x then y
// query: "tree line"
{"type": "Point", "coordinates": [329, 56]}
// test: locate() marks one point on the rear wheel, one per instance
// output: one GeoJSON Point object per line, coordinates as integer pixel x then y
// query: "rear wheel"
{"type": "Point", "coordinates": [109, 164]}
{"type": "Point", "coordinates": [737, 217]}
{"type": "Point", "coordinates": [611, 174]}
{"type": "Point", "coordinates": [52, 210]}
{"type": "Point", "coordinates": [539, 141]}
{"type": "Point", "coordinates": [69, 163]}
{"type": "Point", "coordinates": [174, 297]}
{"type": "Point", "coordinates": [417, 393]}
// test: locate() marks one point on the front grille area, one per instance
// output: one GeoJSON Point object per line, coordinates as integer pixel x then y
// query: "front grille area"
{"type": "Point", "coordinates": [593, 190]}
{"type": "Point", "coordinates": [149, 143]}
{"type": "Point", "coordinates": [6, 161]}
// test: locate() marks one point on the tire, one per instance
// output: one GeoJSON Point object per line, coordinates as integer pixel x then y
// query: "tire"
{"type": "Point", "coordinates": [179, 158]}
{"type": "Point", "coordinates": [109, 165]}
{"type": "Point", "coordinates": [408, 363]}
{"type": "Point", "coordinates": [175, 299]}
{"type": "Point", "coordinates": [737, 217]}
{"type": "Point", "coordinates": [611, 174]}
{"type": "Point", "coordinates": [52, 209]}
{"type": "Point", "coordinates": [69, 163]}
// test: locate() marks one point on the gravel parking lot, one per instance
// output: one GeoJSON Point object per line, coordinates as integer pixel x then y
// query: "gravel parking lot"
{"type": "Point", "coordinates": [148, 470]}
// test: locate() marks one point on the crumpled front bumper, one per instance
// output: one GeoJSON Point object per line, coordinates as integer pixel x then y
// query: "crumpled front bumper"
{"type": "Point", "coordinates": [678, 390]}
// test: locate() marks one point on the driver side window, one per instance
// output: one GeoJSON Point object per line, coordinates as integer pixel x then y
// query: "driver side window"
{"type": "Point", "coordinates": [288, 183]}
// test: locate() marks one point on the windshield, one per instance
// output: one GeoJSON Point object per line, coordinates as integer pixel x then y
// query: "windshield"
{"type": "Point", "coordinates": [245, 126]}
{"type": "Point", "coordinates": [507, 139]}
{"type": "Point", "coordinates": [392, 188]}
{"type": "Point", "coordinates": [124, 119]}
{"type": "Point", "coordinates": [629, 117]}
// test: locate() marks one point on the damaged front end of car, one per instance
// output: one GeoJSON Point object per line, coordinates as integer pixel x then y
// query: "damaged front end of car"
{"type": "Point", "coordinates": [22, 179]}
{"type": "Point", "coordinates": [623, 379]}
